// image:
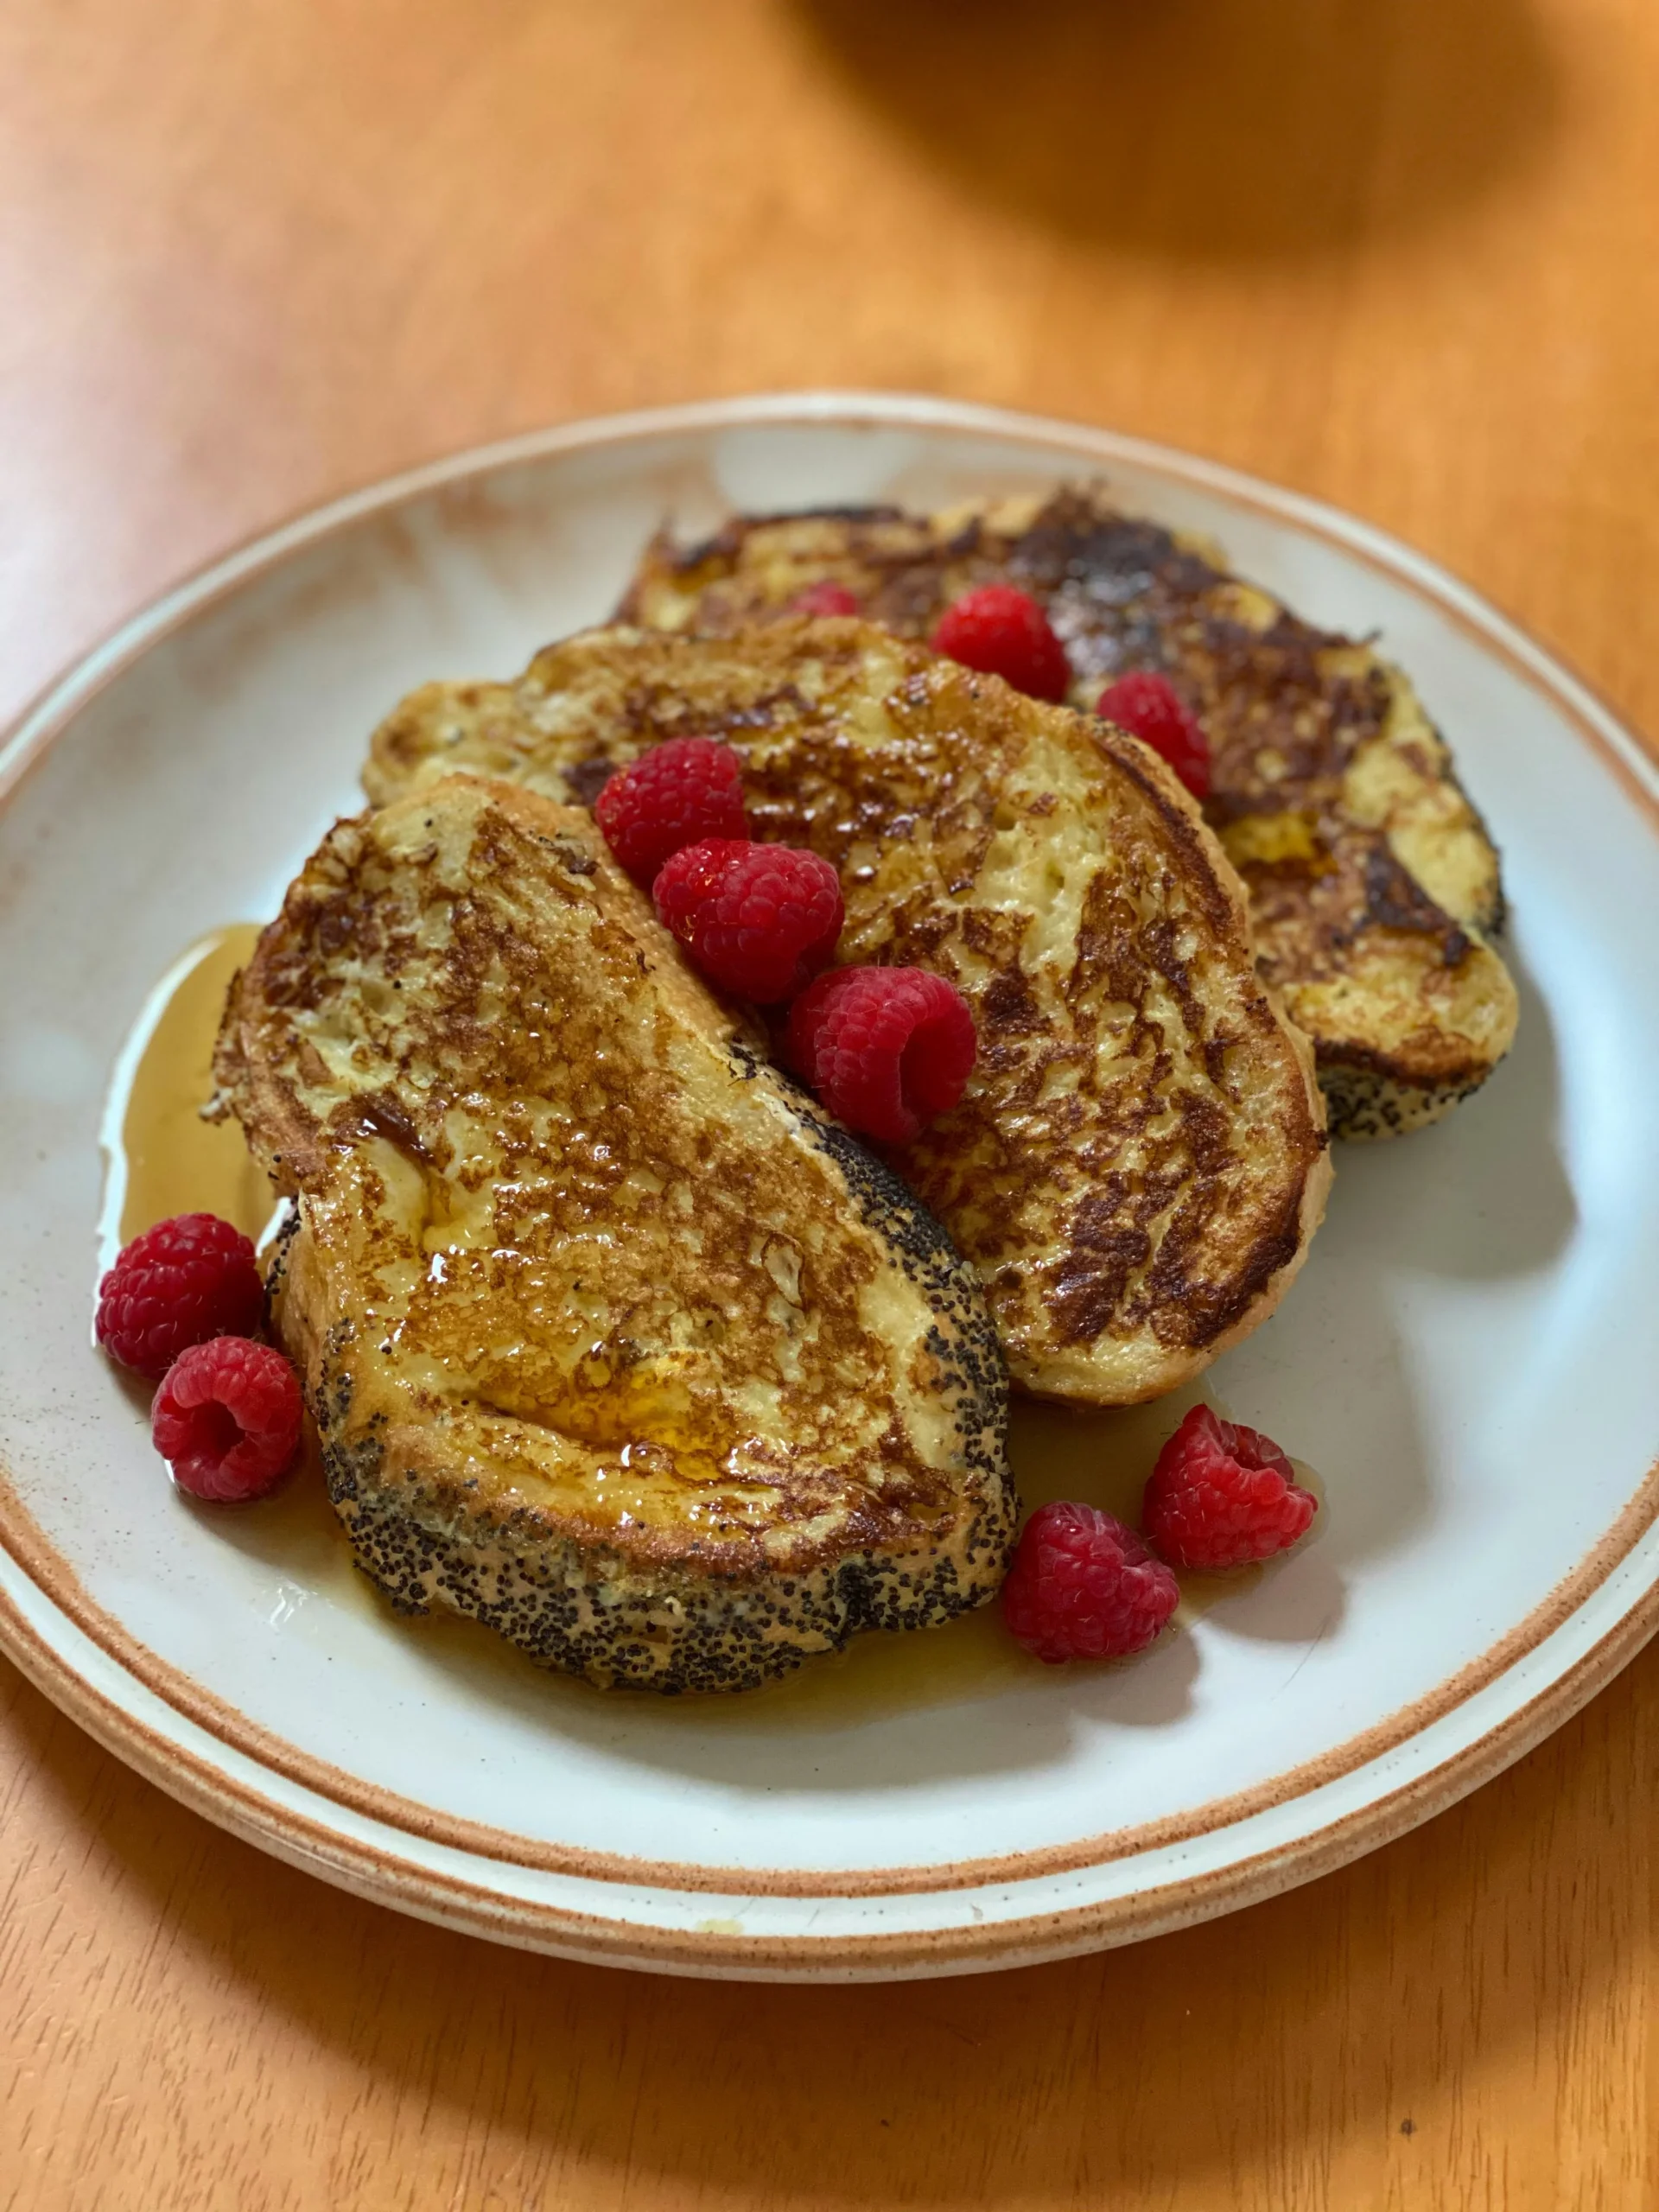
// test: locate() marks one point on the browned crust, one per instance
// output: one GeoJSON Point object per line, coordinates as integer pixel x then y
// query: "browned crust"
{"type": "Point", "coordinates": [465, 985]}
{"type": "Point", "coordinates": [1287, 708]}
{"type": "Point", "coordinates": [1436, 1065]}
{"type": "Point", "coordinates": [1139, 1160]}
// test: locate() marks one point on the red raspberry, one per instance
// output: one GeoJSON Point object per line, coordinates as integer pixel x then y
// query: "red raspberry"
{"type": "Point", "coordinates": [1085, 1586]}
{"type": "Point", "coordinates": [1001, 632]}
{"type": "Point", "coordinates": [885, 1048]}
{"type": "Point", "coordinates": [227, 1418]}
{"type": "Point", "coordinates": [178, 1284]}
{"type": "Point", "coordinates": [1222, 1494]}
{"type": "Point", "coordinates": [825, 598]}
{"type": "Point", "coordinates": [1150, 707]}
{"type": "Point", "coordinates": [759, 920]}
{"type": "Point", "coordinates": [676, 794]}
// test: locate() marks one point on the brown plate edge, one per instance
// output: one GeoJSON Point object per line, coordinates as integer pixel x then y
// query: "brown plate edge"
{"type": "Point", "coordinates": [719, 1952]}
{"type": "Point", "coordinates": [44, 1566]}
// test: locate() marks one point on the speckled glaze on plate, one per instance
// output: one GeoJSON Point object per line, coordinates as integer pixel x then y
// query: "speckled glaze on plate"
{"type": "Point", "coordinates": [1469, 1360]}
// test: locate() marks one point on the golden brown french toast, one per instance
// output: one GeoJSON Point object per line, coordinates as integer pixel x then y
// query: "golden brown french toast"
{"type": "Point", "coordinates": [1140, 1159]}
{"type": "Point", "coordinates": [613, 1341]}
{"type": "Point", "coordinates": [1374, 888]}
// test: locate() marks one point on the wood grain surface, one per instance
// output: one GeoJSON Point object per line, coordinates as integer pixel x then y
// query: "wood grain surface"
{"type": "Point", "coordinates": [1400, 253]}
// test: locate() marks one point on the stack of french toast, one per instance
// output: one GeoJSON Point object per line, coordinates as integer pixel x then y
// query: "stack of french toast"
{"type": "Point", "coordinates": [615, 1338]}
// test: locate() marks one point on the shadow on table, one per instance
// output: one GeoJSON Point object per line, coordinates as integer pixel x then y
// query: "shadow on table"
{"type": "Point", "coordinates": [1218, 128]}
{"type": "Point", "coordinates": [1360, 2027]}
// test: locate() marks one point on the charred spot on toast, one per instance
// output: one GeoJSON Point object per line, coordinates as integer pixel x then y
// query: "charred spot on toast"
{"type": "Point", "coordinates": [1299, 718]}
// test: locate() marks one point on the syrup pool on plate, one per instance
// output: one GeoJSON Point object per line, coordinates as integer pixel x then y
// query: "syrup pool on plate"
{"type": "Point", "coordinates": [165, 1159]}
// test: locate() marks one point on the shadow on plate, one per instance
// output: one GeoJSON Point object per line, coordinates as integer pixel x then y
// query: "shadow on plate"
{"type": "Point", "coordinates": [1484, 1194]}
{"type": "Point", "coordinates": [1215, 129]}
{"type": "Point", "coordinates": [1482, 1197]}
{"type": "Point", "coordinates": [883, 1715]}
{"type": "Point", "coordinates": [1338, 1374]}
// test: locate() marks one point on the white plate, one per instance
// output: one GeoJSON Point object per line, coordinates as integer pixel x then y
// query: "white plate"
{"type": "Point", "coordinates": [1471, 1359]}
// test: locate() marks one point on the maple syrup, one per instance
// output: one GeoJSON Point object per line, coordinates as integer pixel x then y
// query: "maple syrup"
{"type": "Point", "coordinates": [165, 1159]}
{"type": "Point", "coordinates": [1102, 1457]}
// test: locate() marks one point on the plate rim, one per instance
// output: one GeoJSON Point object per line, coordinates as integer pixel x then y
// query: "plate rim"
{"type": "Point", "coordinates": [26, 1547]}
{"type": "Point", "coordinates": [710, 1950]}
{"type": "Point", "coordinates": [260, 1818]}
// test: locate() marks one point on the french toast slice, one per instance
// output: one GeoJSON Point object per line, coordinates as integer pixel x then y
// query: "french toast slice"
{"type": "Point", "coordinates": [1375, 890]}
{"type": "Point", "coordinates": [613, 1341]}
{"type": "Point", "coordinates": [1139, 1158]}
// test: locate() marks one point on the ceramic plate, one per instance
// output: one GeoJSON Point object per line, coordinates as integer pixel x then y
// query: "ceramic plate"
{"type": "Point", "coordinates": [1468, 1361]}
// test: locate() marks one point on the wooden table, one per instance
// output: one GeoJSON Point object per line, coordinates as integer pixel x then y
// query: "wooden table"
{"type": "Point", "coordinates": [1402, 255]}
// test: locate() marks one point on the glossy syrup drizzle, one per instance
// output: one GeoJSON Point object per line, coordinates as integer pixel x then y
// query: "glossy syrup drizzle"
{"type": "Point", "coordinates": [165, 1159]}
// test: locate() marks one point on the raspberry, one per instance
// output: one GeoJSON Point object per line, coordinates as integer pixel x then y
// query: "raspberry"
{"type": "Point", "coordinates": [885, 1048]}
{"type": "Point", "coordinates": [1085, 1586]}
{"type": "Point", "coordinates": [759, 920]}
{"type": "Point", "coordinates": [1001, 632]}
{"type": "Point", "coordinates": [825, 598]}
{"type": "Point", "coordinates": [178, 1284]}
{"type": "Point", "coordinates": [676, 794]}
{"type": "Point", "coordinates": [1150, 707]}
{"type": "Point", "coordinates": [227, 1418]}
{"type": "Point", "coordinates": [1222, 1494]}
